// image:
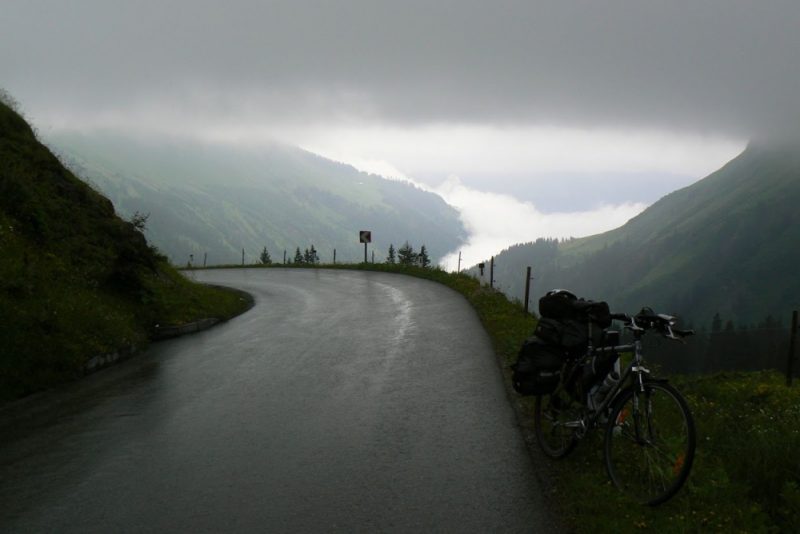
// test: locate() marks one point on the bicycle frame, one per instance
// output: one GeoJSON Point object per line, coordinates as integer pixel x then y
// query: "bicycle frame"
{"type": "Point", "coordinates": [635, 367]}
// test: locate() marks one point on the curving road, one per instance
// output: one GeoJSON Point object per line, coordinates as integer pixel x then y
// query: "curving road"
{"type": "Point", "coordinates": [343, 401]}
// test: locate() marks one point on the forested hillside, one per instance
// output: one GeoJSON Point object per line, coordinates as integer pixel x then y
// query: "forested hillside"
{"type": "Point", "coordinates": [725, 246]}
{"type": "Point", "coordinates": [217, 200]}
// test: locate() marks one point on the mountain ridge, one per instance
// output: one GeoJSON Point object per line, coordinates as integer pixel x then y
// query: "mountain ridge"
{"type": "Point", "coordinates": [216, 199]}
{"type": "Point", "coordinates": [725, 244]}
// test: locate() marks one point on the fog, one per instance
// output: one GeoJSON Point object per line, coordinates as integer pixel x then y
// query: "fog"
{"type": "Point", "coordinates": [504, 95]}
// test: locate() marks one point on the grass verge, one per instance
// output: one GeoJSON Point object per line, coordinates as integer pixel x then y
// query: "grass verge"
{"type": "Point", "coordinates": [52, 331]}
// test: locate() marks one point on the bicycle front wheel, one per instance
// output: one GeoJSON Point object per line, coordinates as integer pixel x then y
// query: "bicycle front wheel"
{"type": "Point", "coordinates": [650, 442]}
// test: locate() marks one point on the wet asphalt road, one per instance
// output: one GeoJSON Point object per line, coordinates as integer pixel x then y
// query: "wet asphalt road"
{"type": "Point", "coordinates": [342, 402]}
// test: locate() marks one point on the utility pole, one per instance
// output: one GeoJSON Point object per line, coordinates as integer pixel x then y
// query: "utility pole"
{"type": "Point", "coordinates": [284, 256]}
{"type": "Point", "coordinates": [459, 262]}
{"type": "Point", "coordinates": [242, 257]}
{"type": "Point", "coordinates": [527, 288]}
{"type": "Point", "coordinates": [205, 257]}
{"type": "Point", "coordinates": [792, 348]}
{"type": "Point", "coordinates": [334, 256]}
{"type": "Point", "coordinates": [491, 273]}
{"type": "Point", "coordinates": [373, 256]}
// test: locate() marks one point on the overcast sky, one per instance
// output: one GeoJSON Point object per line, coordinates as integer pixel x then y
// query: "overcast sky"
{"type": "Point", "coordinates": [500, 97]}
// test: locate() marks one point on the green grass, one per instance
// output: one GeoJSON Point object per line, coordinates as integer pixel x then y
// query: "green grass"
{"type": "Point", "coordinates": [54, 324]}
{"type": "Point", "coordinates": [746, 475]}
{"type": "Point", "coordinates": [76, 281]}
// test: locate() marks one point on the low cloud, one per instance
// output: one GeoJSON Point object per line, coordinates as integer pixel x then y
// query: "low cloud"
{"type": "Point", "coordinates": [495, 221]}
{"type": "Point", "coordinates": [719, 66]}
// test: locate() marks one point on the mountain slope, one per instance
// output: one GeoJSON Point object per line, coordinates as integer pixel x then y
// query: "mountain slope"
{"type": "Point", "coordinates": [727, 244]}
{"type": "Point", "coordinates": [76, 281]}
{"type": "Point", "coordinates": [217, 200]}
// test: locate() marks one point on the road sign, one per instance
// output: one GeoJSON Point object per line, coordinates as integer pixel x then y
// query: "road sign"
{"type": "Point", "coordinates": [365, 236]}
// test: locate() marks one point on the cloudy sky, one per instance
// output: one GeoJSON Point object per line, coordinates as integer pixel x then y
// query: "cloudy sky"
{"type": "Point", "coordinates": [533, 117]}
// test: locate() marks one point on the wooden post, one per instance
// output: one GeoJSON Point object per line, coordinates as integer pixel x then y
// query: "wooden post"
{"type": "Point", "coordinates": [792, 347]}
{"type": "Point", "coordinates": [491, 272]}
{"type": "Point", "coordinates": [334, 256]}
{"type": "Point", "coordinates": [527, 288]}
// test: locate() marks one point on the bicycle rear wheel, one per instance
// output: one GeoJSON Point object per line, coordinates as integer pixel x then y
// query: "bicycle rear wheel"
{"type": "Point", "coordinates": [650, 442]}
{"type": "Point", "coordinates": [554, 419]}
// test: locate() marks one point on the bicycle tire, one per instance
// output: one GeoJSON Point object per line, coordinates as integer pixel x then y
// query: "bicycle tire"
{"type": "Point", "coordinates": [551, 412]}
{"type": "Point", "coordinates": [650, 442]}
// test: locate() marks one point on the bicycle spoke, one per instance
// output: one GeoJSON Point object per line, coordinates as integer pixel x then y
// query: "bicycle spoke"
{"type": "Point", "coordinates": [649, 449]}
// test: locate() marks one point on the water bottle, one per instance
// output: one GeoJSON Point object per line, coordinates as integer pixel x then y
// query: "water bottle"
{"type": "Point", "coordinates": [598, 393]}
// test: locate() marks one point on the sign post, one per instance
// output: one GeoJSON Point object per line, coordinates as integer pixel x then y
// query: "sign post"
{"type": "Point", "coordinates": [365, 236]}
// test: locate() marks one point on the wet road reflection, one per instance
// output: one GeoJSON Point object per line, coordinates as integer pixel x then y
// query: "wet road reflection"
{"type": "Point", "coordinates": [343, 401]}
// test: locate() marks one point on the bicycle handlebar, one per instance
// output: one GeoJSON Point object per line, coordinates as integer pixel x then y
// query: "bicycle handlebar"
{"type": "Point", "coordinates": [647, 319]}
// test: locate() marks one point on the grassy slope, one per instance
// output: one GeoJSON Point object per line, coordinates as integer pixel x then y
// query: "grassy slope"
{"type": "Point", "coordinates": [76, 281]}
{"type": "Point", "coordinates": [746, 476]}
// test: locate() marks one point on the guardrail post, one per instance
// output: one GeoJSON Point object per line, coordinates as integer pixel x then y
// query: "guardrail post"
{"type": "Point", "coordinates": [792, 347]}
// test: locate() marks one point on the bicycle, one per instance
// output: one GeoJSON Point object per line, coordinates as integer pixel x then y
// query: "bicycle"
{"type": "Point", "coordinates": [649, 439]}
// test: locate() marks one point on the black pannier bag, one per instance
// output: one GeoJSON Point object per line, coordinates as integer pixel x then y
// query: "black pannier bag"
{"type": "Point", "coordinates": [561, 305]}
{"type": "Point", "coordinates": [538, 367]}
{"type": "Point", "coordinates": [558, 304]}
{"type": "Point", "coordinates": [549, 330]}
{"type": "Point", "coordinates": [567, 320]}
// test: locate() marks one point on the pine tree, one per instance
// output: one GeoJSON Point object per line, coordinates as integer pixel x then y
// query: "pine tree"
{"type": "Point", "coordinates": [298, 256]}
{"type": "Point", "coordinates": [424, 259]}
{"type": "Point", "coordinates": [716, 323]}
{"type": "Point", "coordinates": [266, 259]}
{"type": "Point", "coordinates": [313, 257]}
{"type": "Point", "coordinates": [392, 257]}
{"type": "Point", "coordinates": [406, 255]}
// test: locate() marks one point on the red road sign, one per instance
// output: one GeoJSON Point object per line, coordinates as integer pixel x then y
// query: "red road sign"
{"type": "Point", "coordinates": [365, 236]}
